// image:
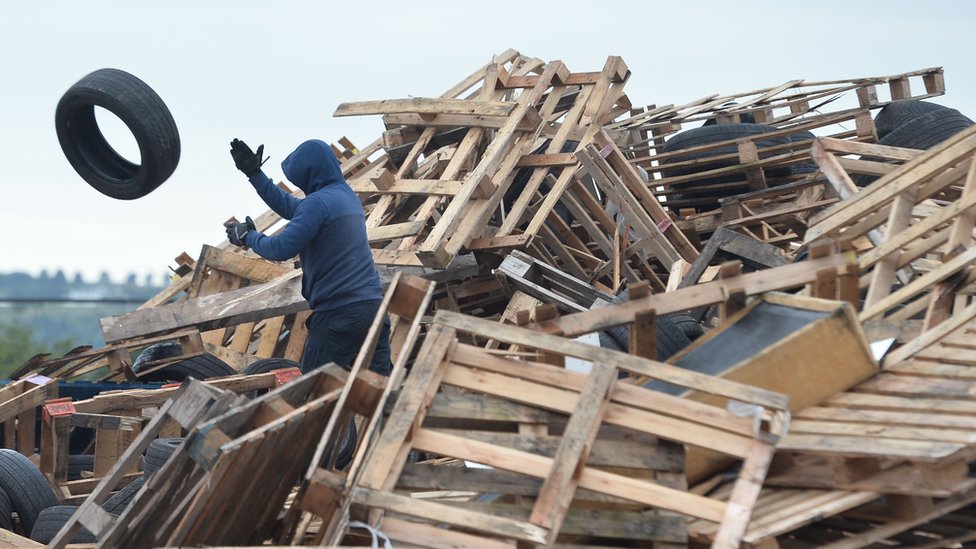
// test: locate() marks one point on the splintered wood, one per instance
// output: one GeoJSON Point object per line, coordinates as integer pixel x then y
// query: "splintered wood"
{"type": "Point", "coordinates": [921, 209]}
{"type": "Point", "coordinates": [519, 221]}
{"type": "Point", "coordinates": [587, 402]}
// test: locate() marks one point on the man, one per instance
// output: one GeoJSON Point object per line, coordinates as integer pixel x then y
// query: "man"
{"type": "Point", "coordinates": [327, 230]}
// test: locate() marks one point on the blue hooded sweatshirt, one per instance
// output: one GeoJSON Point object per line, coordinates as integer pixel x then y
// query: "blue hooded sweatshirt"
{"type": "Point", "coordinates": [327, 230]}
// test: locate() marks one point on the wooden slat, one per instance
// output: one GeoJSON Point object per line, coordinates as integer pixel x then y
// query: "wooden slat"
{"type": "Point", "coordinates": [279, 297]}
{"type": "Point", "coordinates": [425, 106]}
{"type": "Point", "coordinates": [591, 479]}
{"type": "Point", "coordinates": [657, 370]}
{"type": "Point", "coordinates": [859, 446]}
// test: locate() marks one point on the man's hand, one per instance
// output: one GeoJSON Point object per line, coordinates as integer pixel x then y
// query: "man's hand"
{"type": "Point", "coordinates": [236, 231]}
{"type": "Point", "coordinates": [246, 160]}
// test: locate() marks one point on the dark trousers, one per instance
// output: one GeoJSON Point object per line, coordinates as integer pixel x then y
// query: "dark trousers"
{"type": "Point", "coordinates": [337, 335]}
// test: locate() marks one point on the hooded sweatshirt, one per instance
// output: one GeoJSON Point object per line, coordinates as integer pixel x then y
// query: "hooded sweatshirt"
{"type": "Point", "coordinates": [327, 230]}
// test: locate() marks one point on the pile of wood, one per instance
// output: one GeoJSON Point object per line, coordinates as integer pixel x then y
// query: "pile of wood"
{"type": "Point", "coordinates": [606, 332]}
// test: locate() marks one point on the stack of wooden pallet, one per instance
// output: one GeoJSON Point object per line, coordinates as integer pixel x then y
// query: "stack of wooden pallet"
{"type": "Point", "coordinates": [525, 209]}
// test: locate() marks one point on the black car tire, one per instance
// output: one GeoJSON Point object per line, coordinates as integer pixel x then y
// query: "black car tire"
{"type": "Point", "coordinates": [705, 135]}
{"type": "Point", "coordinates": [671, 335]}
{"type": "Point", "coordinates": [158, 351]}
{"type": "Point", "coordinates": [266, 365]}
{"type": "Point", "coordinates": [51, 520]}
{"type": "Point", "coordinates": [6, 512]}
{"type": "Point", "coordinates": [922, 132]}
{"type": "Point", "coordinates": [895, 114]}
{"type": "Point", "coordinates": [142, 111]}
{"type": "Point", "coordinates": [121, 499]}
{"type": "Point", "coordinates": [28, 490]}
{"type": "Point", "coordinates": [158, 453]}
{"type": "Point", "coordinates": [201, 367]}
{"type": "Point", "coordinates": [79, 463]}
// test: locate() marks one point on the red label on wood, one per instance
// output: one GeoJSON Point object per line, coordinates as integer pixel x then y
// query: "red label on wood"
{"type": "Point", "coordinates": [57, 407]}
{"type": "Point", "coordinates": [285, 375]}
{"type": "Point", "coordinates": [665, 225]}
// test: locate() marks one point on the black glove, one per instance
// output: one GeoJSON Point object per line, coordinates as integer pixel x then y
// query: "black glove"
{"type": "Point", "coordinates": [236, 231]}
{"type": "Point", "coordinates": [246, 160]}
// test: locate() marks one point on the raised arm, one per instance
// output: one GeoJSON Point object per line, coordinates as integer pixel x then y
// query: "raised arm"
{"type": "Point", "coordinates": [250, 163]}
{"type": "Point", "coordinates": [278, 200]}
{"type": "Point", "coordinates": [308, 220]}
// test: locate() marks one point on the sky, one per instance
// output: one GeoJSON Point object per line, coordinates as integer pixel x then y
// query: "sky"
{"type": "Point", "coordinates": [273, 73]}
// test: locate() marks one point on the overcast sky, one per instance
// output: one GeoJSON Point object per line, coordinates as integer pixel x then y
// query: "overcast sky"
{"type": "Point", "coordinates": [273, 73]}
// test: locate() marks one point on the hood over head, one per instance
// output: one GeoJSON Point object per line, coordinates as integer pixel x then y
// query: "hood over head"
{"type": "Point", "coordinates": [312, 166]}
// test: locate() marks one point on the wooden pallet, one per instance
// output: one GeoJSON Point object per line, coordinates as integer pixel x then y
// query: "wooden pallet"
{"type": "Point", "coordinates": [808, 349]}
{"type": "Point", "coordinates": [884, 212]}
{"type": "Point", "coordinates": [521, 272]}
{"type": "Point", "coordinates": [777, 216]}
{"type": "Point", "coordinates": [592, 518]}
{"type": "Point", "coordinates": [429, 210]}
{"type": "Point", "coordinates": [906, 430]}
{"type": "Point", "coordinates": [190, 404]}
{"type": "Point", "coordinates": [794, 106]}
{"type": "Point", "coordinates": [232, 476]}
{"type": "Point", "coordinates": [218, 271]}
{"type": "Point", "coordinates": [608, 228]}
{"type": "Point", "coordinates": [117, 418]}
{"type": "Point", "coordinates": [589, 402]}
{"type": "Point", "coordinates": [907, 522]}
{"type": "Point", "coordinates": [20, 403]}
{"type": "Point", "coordinates": [779, 511]}
{"type": "Point", "coordinates": [324, 492]}
{"type": "Point", "coordinates": [829, 274]}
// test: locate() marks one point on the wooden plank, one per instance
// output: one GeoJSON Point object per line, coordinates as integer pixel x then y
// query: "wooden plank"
{"type": "Point", "coordinates": [279, 297]}
{"type": "Point", "coordinates": [387, 457]}
{"type": "Point", "coordinates": [456, 120]}
{"type": "Point", "coordinates": [425, 106]}
{"type": "Point", "coordinates": [912, 173]}
{"type": "Point", "coordinates": [816, 508]}
{"type": "Point", "coordinates": [888, 417]}
{"type": "Point", "coordinates": [870, 430]}
{"type": "Point", "coordinates": [426, 187]}
{"type": "Point", "coordinates": [859, 446]}
{"type": "Point", "coordinates": [552, 398]}
{"type": "Point", "coordinates": [592, 479]}
{"type": "Point", "coordinates": [546, 160]}
{"type": "Point", "coordinates": [868, 149]}
{"type": "Point", "coordinates": [483, 522]}
{"type": "Point", "coordinates": [394, 231]}
{"type": "Point", "coordinates": [780, 278]}
{"type": "Point", "coordinates": [657, 370]}
{"type": "Point", "coordinates": [743, 497]}
{"type": "Point", "coordinates": [882, 532]}
{"type": "Point", "coordinates": [559, 487]}
{"type": "Point", "coordinates": [930, 337]}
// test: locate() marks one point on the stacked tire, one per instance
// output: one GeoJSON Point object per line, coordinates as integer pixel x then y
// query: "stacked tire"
{"type": "Point", "coordinates": [703, 194]}
{"type": "Point", "coordinates": [41, 515]}
{"type": "Point", "coordinates": [914, 125]}
{"type": "Point", "coordinates": [201, 367]}
{"type": "Point", "coordinates": [674, 332]}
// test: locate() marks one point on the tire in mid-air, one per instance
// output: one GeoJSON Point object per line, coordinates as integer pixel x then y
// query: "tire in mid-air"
{"type": "Point", "coordinates": [145, 115]}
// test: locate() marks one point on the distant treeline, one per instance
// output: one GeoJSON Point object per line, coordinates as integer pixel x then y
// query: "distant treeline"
{"type": "Point", "coordinates": [57, 286]}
